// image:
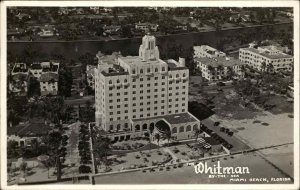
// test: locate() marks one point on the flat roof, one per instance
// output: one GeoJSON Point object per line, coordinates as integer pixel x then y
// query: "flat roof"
{"type": "Point", "coordinates": [45, 77]}
{"type": "Point", "coordinates": [136, 60]}
{"type": "Point", "coordinates": [216, 61]}
{"type": "Point", "coordinates": [271, 56]}
{"type": "Point", "coordinates": [174, 118]}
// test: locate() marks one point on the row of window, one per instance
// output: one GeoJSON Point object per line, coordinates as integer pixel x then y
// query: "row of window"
{"type": "Point", "coordinates": [163, 69]}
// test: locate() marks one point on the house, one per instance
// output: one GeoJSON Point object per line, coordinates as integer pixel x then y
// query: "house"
{"type": "Point", "coordinates": [37, 69]}
{"type": "Point", "coordinates": [28, 134]}
{"type": "Point", "coordinates": [18, 80]}
{"type": "Point", "coordinates": [146, 27]}
{"type": "Point", "coordinates": [49, 84]}
{"type": "Point", "coordinates": [111, 30]}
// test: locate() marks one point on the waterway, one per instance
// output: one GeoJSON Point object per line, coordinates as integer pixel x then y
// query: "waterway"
{"type": "Point", "coordinates": [168, 45]}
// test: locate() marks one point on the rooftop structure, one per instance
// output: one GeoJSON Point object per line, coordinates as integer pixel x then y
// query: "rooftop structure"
{"type": "Point", "coordinates": [207, 51]}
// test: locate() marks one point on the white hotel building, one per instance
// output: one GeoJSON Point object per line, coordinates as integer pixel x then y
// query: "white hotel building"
{"type": "Point", "coordinates": [268, 55]}
{"type": "Point", "coordinates": [136, 92]}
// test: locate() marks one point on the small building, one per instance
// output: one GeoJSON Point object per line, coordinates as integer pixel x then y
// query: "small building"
{"type": "Point", "coordinates": [19, 84]}
{"type": "Point", "coordinates": [219, 68]}
{"type": "Point", "coordinates": [49, 84]}
{"type": "Point", "coordinates": [146, 27]}
{"type": "Point", "coordinates": [207, 51]}
{"type": "Point", "coordinates": [37, 69]}
{"type": "Point", "coordinates": [28, 133]}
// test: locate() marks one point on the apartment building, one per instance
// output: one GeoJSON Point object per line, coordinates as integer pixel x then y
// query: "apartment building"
{"type": "Point", "coordinates": [207, 51]}
{"type": "Point", "coordinates": [133, 93]}
{"type": "Point", "coordinates": [219, 68]}
{"type": "Point", "coordinates": [266, 58]}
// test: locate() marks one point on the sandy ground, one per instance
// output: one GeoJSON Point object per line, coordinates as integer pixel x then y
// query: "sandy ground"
{"type": "Point", "coordinates": [258, 168]}
{"type": "Point", "coordinates": [278, 131]}
{"type": "Point", "coordinates": [282, 157]}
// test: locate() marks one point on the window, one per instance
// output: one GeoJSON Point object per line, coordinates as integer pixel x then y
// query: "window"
{"type": "Point", "coordinates": [163, 68]}
{"type": "Point", "coordinates": [184, 75]}
{"type": "Point", "coordinates": [155, 108]}
{"type": "Point", "coordinates": [141, 71]}
{"type": "Point", "coordinates": [133, 92]}
{"type": "Point", "coordinates": [141, 85]}
{"type": "Point", "coordinates": [125, 99]}
{"type": "Point", "coordinates": [148, 109]}
{"type": "Point", "coordinates": [118, 81]}
{"type": "Point", "coordinates": [118, 100]}
{"type": "Point", "coordinates": [134, 110]}
{"type": "Point", "coordinates": [163, 89]}
{"type": "Point", "coordinates": [177, 75]}
{"type": "Point", "coordinates": [163, 77]}
{"type": "Point", "coordinates": [174, 130]}
{"type": "Point", "coordinates": [126, 111]}
{"type": "Point", "coordinates": [111, 107]}
{"type": "Point", "coordinates": [133, 80]}
{"type": "Point", "coordinates": [134, 98]}
{"type": "Point", "coordinates": [148, 91]}
{"type": "Point", "coordinates": [141, 103]}
{"type": "Point", "coordinates": [110, 94]}
{"type": "Point", "coordinates": [155, 78]}
{"type": "Point", "coordinates": [163, 83]}
{"type": "Point", "coordinates": [111, 113]}
{"type": "Point", "coordinates": [118, 112]}
{"type": "Point", "coordinates": [188, 128]}
{"type": "Point", "coordinates": [148, 70]}
{"type": "Point", "coordinates": [141, 97]}
{"type": "Point", "coordinates": [162, 107]}
{"type": "Point", "coordinates": [162, 101]}
{"type": "Point", "coordinates": [126, 105]}
{"type": "Point", "coordinates": [110, 101]}
{"type": "Point", "coordinates": [110, 88]}
{"type": "Point", "coordinates": [155, 102]}
{"type": "Point", "coordinates": [133, 71]}
{"type": "Point", "coordinates": [155, 96]}
{"type": "Point", "coordinates": [148, 85]}
{"type": "Point", "coordinates": [156, 69]}
{"type": "Point", "coordinates": [170, 88]}
{"type": "Point", "coordinates": [125, 93]}
{"type": "Point", "coordinates": [141, 79]}
{"type": "Point", "coordinates": [181, 129]}
{"type": "Point", "coordinates": [118, 94]}
{"type": "Point", "coordinates": [155, 84]}
{"type": "Point", "coordinates": [118, 106]}
{"type": "Point", "coordinates": [133, 86]}
{"type": "Point", "coordinates": [110, 82]}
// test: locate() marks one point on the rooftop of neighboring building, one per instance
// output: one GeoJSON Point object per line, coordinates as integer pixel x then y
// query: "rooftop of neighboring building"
{"type": "Point", "coordinates": [46, 77]}
{"type": "Point", "coordinates": [217, 61]}
{"type": "Point", "coordinates": [208, 49]}
{"type": "Point", "coordinates": [268, 55]}
{"type": "Point", "coordinates": [20, 68]}
{"type": "Point", "coordinates": [35, 129]}
{"type": "Point", "coordinates": [20, 77]}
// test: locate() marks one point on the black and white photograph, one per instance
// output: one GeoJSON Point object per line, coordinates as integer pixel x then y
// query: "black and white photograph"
{"type": "Point", "coordinates": [133, 93]}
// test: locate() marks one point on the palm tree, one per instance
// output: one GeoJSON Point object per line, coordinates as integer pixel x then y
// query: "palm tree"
{"type": "Point", "coordinates": [168, 135]}
{"type": "Point", "coordinates": [270, 67]}
{"type": "Point", "coordinates": [101, 149]}
{"type": "Point", "coordinates": [263, 66]}
{"type": "Point", "coordinates": [157, 136]}
{"type": "Point", "coordinates": [197, 132]}
{"type": "Point", "coordinates": [23, 167]}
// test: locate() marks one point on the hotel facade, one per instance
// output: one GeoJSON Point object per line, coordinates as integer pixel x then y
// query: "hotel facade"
{"type": "Point", "coordinates": [134, 93]}
{"type": "Point", "coordinates": [266, 57]}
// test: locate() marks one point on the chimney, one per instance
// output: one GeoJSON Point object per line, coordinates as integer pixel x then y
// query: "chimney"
{"type": "Point", "coordinates": [227, 58]}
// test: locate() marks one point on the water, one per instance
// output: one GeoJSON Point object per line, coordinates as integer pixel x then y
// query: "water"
{"type": "Point", "coordinates": [169, 46]}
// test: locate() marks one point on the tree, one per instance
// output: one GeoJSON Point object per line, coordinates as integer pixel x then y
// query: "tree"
{"type": "Point", "coordinates": [102, 146]}
{"type": "Point", "coordinates": [270, 67]}
{"type": "Point", "coordinates": [168, 136]}
{"type": "Point", "coordinates": [197, 132]}
{"type": "Point", "coordinates": [23, 167]}
{"type": "Point", "coordinates": [157, 137]}
{"type": "Point", "coordinates": [263, 66]}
